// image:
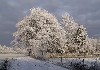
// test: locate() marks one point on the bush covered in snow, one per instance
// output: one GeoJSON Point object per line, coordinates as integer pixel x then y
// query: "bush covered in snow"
{"type": "Point", "coordinates": [6, 50]}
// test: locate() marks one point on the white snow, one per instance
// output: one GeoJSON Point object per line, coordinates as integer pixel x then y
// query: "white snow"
{"type": "Point", "coordinates": [27, 63]}
{"type": "Point", "coordinates": [4, 56]}
{"type": "Point", "coordinates": [20, 62]}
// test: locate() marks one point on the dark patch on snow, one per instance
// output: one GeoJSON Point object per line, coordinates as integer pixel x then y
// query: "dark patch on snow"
{"type": "Point", "coordinates": [5, 65]}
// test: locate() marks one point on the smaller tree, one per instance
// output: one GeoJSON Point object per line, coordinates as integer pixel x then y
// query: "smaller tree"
{"type": "Point", "coordinates": [91, 45]}
{"type": "Point", "coordinates": [76, 35]}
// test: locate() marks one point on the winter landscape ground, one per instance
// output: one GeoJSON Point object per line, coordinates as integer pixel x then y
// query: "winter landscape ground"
{"type": "Point", "coordinates": [23, 62]}
{"type": "Point", "coordinates": [20, 62]}
{"type": "Point", "coordinates": [4, 56]}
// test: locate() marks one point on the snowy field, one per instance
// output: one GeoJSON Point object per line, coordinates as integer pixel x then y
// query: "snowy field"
{"type": "Point", "coordinates": [27, 63]}
{"type": "Point", "coordinates": [68, 60]}
{"type": "Point", "coordinates": [77, 64]}
{"type": "Point", "coordinates": [22, 62]}
{"type": "Point", "coordinates": [4, 56]}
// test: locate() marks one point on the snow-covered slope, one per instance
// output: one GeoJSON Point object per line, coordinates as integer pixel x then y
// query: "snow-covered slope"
{"type": "Point", "coordinates": [27, 63]}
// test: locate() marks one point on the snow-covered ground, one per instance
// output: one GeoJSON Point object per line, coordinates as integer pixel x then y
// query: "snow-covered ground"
{"type": "Point", "coordinates": [27, 63]}
{"type": "Point", "coordinates": [69, 62]}
{"type": "Point", "coordinates": [4, 56]}
{"type": "Point", "coordinates": [22, 62]}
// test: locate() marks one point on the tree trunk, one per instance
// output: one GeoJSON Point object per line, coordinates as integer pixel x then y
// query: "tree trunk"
{"type": "Point", "coordinates": [61, 57]}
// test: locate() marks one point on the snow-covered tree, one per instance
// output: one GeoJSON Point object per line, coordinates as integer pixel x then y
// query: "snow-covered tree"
{"type": "Point", "coordinates": [39, 31]}
{"type": "Point", "coordinates": [6, 50]}
{"type": "Point", "coordinates": [91, 45]}
{"type": "Point", "coordinates": [98, 45]}
{"type": "Point", "coordinates": [76, 35]}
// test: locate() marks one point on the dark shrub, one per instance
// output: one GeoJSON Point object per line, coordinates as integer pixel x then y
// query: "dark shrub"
{"type": "Point", "coordinates": [79, 66]}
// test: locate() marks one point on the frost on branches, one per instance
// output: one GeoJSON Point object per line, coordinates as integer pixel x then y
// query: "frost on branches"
{"type": "Point", "coordinates": [39, 31]}
{"type": "Point", "coordinates": [76, 35]}
{"type": "Point", "coordinates": [6, 50]}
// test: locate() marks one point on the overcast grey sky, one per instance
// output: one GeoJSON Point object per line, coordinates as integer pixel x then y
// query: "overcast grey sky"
{"type": "Point", "coordinates": [86, 12]}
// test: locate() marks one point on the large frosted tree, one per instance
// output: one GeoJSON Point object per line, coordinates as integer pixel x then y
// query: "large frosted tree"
{"type": "Point", "coordinates": [39, 31]}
